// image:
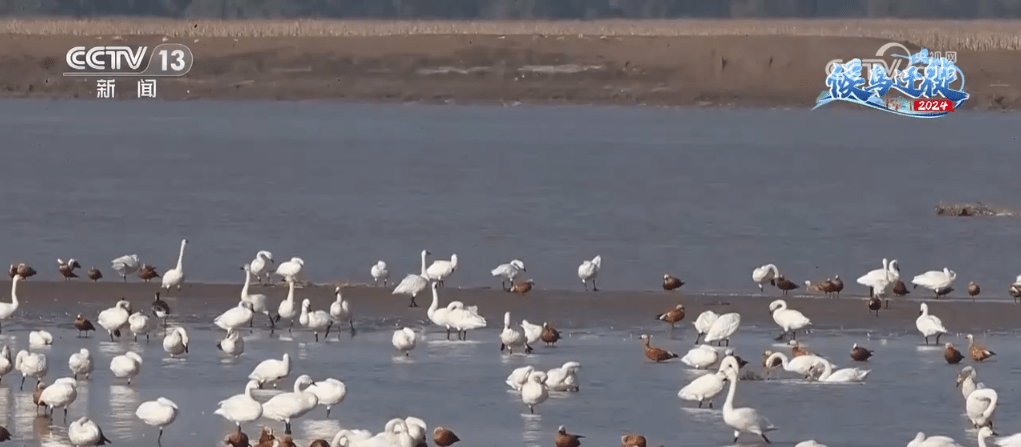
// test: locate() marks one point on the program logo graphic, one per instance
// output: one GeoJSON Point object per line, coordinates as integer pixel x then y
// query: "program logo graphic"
{"type": "Point", "coordinates": [167, 59]}
{"type": "Point", "coordinates": [924, 83]}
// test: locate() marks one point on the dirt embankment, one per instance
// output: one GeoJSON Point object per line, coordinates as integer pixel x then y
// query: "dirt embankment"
{"type": "Point", "coordinates": [719, 66]}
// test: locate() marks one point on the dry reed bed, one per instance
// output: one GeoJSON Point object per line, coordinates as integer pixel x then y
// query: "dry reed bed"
{"type": "Point", "coordinates": [945, 35]}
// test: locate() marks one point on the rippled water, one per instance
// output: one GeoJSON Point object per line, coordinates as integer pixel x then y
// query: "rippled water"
{"type": "Point", "coordinates": [707, 194]}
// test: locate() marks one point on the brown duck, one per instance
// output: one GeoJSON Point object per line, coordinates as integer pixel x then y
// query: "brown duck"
{"type": "Point", "coordinates": [973, 290]}
{"type": "Point", "coordinates": [94, 274]}
{"type": "Point", "coordinates": [633, 441]}
{"type": "Point", "coordinates": [22, 270]}
{"type": "Point", "coordinates": [39, 387]}
{"type": "Point", "coordinates": [673, 316]}
{"type": "Point", "coordinates": [671, 283]}
{"type": "Point", "coordinates": [797, 350]}
{"type": "Point", "coordinates": [977, 352]}
{"type": "Point", "coordinates": [550, 335]}
{"type": "Point", "coordinates": [565, 439]}
{"type": "Point", "coordinates": [66, 269]}
{"type": "Point", "coordinates": [838, 285]}
{"type": "Point", "coordinates": [785, 284]}
{"type": "Point", "coordinates": [5, 435]}
{"type": "Point", "coordinates": [656, 354]}
{"type": "Point", "coordinates": [1015, 292]}
{"type": "Point", "coordinates": [444, 437]}
{"type": "Point", "coordinates": [952, 356]}
{"type": "Point", "coordinates": [83, 325]}
{"type": "Point", "coordinates": [860, 354]}
{"type": "Point", "coordinates": [147, 272]}
{"type": "Point", "coordinates": [522, 288]}
{"type": "Point", "coordinates": [236, 439]}
{"type": "Point", "coordinates": [875, 304]}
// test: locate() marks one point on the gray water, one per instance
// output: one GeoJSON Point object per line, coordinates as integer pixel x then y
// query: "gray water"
{"type": "Point", "coordinates": [705, 194]}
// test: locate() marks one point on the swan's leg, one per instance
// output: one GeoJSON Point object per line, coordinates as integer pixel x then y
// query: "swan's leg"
{"type": "Point", "coordinates": [22, 383]}
{"type": "Point", "coordinates": [699, 404]}
{"type": "Point", "coordinates": [887, 303]}
{"type": "Point", "coordinates": [584, 283]}
{"type": "Point", "coordinates": [528, 349]}
{"type": "Point", "coordinates": [136, 338]}
{"type": "Point", "coordinates": [767, 439]}
{"type": "Point", "coordinates": [594, 288]}
{"type": "Point", "coordinates": [710, 404]}
{"type": "Point", "coordinates": [328, 326]}
{"type": "Point", "coordinates": [926, 340]}
{"type": "Point", "coordinates": [531, 409]}
{"type": "Point", "coordinates": [327, 411]}
{"type": "Point", "coordinates": [287, 427]}
{"type": "Point", "coordinates": [65, 414]}
{"type": "Point", "coordinates": [737, 434]}
{"type": "Point", "coordinates": [448, 334]}
{"type": "Point", "coordinates": [937, 339]}
{"type": "Point", "coordinates": [728, 341]}
{"type": "Point", "coordinates": [698, 337]}
{"type": "Point", "coordinates": [794, 335]}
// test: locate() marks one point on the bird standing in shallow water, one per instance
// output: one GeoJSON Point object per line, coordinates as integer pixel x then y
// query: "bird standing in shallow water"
{"type": "Point", "coordinates": [978, 352]}
{"type": "Point", "coordinates": [66, 269]}
{"type": "Point", "coordinates": [671, 283]}
{"type": "Point", "coordinates": [237, 439]}
{"type": "Point", "coordinates": [973, 290]}
{"type": "Point", "coordinates": [522, 288]}
{"type": "Point", "coordinates": [550, 335]}
{"type": "Point", "coordinates": [785, 284]}
{"type": "Point", "coordinates": [94, 274]}
{"type": "Point", "coordinates": [875, 304]}
{"type": "Point", "coordinates": [952, 355]}
{"type": "Point", "coordinates": [83, 325]}
{"type": "Point", "coordinates": [147, 272]}
{"type": "Point", "coordinates": [860, 354]}
{"type": "Point", "coordinates": [656, 354]}
{"type": "Point", "coordinates": [565, 439]}
{"type": "Point", "coordinates": [673, 316]}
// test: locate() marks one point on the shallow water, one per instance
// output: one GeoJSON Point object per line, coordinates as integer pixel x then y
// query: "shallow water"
{"type": "Point", "coordinates": [460, 385]}
{"type": "Point", "coordinates": [705, 194]}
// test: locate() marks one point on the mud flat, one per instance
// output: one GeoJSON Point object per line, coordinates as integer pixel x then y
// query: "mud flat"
{"type": "Point", "coordinates": [741, 63]}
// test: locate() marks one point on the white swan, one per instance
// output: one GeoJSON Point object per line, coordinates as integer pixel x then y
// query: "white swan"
{"type": "Point", "coordinates": [723, 328]}
{"type": "Point", "coordinates": [809, 443]}
{"type": "Point", "coordinates": [258, 300]}
{"type": "Point", "coordinates": [126, 365]}
{"type": "Point", "coordinates": [286, 308]}
{"type": "Point", "coordinates": [236, 317]}
{"type": "Point", "coordinates": [518, 377]}
{"type": "Point", "coordinates": [38, 339]}
{"type": "Point", "coordinates": [801, 364]}
{"type": "Point", "coordinates": [6, 361]}
{"type": "Point", "coordinates": [379, 272]}
{"type": "Point", "coordinates": [534, 391]}
{"type": "Point", "coordinates": [932, 441]}
{"type": "Point", "coordinates": [745, 420]}
{"type": "Point", "coordinates": [533, 332]}
{"type": "Point", "coordinates": [589, 270]}
{"type": "Point", "coordinates": [232, 344]}
{"type": "Point", "coordinates": [463, 318]}
{"type": "Point", "coordinates": [929, 325]}
{"type": "Point", "coordinates": [353, 438]}
{"type": "Point", "coordinates": [31, 364]}
{"type": "Point", "coordinates": [287, 406]}
{"type": "Point", "coordinates": [701, 357]}
{"type": "Point", "coordinates": [271, 371]}
{"type": "Point", "coordinates": [292, 270]}
{"type": "Point", "coordinates": [935, 279]}
{"type": "Point", "coordinates": [704, 321]}
{"type": "Point", "coordinates": [7, 309]}
{"type": "Point", "coordinates": [176, 342]}
{"type": "Point", "coordinates": [439, 315]}
{"type": "Point", "coordinates": [330, 392]}
{"type": "Point", "coordinates": [241, 408]}
{"type": "Point", "coordinates": [157, 413]}
{"type": "Point", "coordinates": [414, 284]}
{"type": "Point", "coordinates": [789, 320]}
{"type": "Point", "coordinates": [512, 338]}
{"type": "Point", "coordinates": [404, 340]}
{"type": "Point", "coordinates": [175, 276]}
{"type": "Point", "coordinates": [80, 363]}
{"type": "Point", "coordinates": [563, 378]}
{"type": "Point", "coordinates": [316, 320]}
{"type": "Point", "coordinates": [340, 310]}
{"type": "Point", "coordinates": [259, 267]}
{"type": "Point", "coordinates": [765, 274]}
{"type": "Point", "coordinates": [441, 269]}
{"type": "Point", "coordinates": [115, 318]}
{"type": "Point", "coordinates": [875, 277]}
{"type": "Point", "coordinates": [966, 381]}
{"type": "Point", "coordinates": [61, 393]}
{"type": "Point", "coordinates": [140, 324]}
{"type": "Point", "coordinates": [845, 375]}
{"type": "Point", "coordinates": [416, 430]}
{"type": "Point", "coordinates": [1005, 441]}
{"type": "Point", "coordinates": [126, 265]}
{"type": "Point", "coordinates": [509, 271]}
{"type": "Point", "coordinates": [704, 388]}
{"type": "Point", "coordinates": [980, 406]}
{"type": "Point", "coordinates": [882, 285]}
{"type": "Point", "coordinates": [84, 432]}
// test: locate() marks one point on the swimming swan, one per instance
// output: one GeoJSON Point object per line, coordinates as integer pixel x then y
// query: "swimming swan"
{"type": "Point", "coordinates": [509, 271]}
{"type": "Point", "coordinates": [441, 269]}
{"type": "Point", "coordinates": [414, 284]}
{"type": "Point", "coordinates": [379, 272]}
{"type": "Point", "coordinates": [175, 276]}
{"type": "Point", "coordinates": [316, 320]}
{"type": "Point", "coordinates": [723, 328]}
{"type": "Point", "coordinates": [157, 413]}
{"type": "Point", "coordinates": [789, 320]}
{"type": "Point", "coordinates": [241, 408]}
{"type": "Point", "coordinates": [330, 392]}
{"type": "Point", "coordinates": [271, 371]}
{"type": "Point", "coordinates": [845, 375]}
{"type": "Point", "coordinates": [929, 325]}
{"type": "Point", "coordinates": [287, 406]}
{"type": "Point", "coordinates": [704, 321]}
{"type": "Point", "coordinates": [745, 420]}
{"type": "Point", "coordinates": [589, 270]}
{"type": "Point", "coordinates": [980, 407]}
{"type": "Point", "coordinates": [7, 309]}
{"type": "Point", "coordinates": [762, 275]}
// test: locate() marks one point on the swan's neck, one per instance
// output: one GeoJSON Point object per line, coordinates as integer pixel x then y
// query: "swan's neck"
{"type": "Point", "coordinates": [290, 293]}
{"type": "Point", "coordinates": [827, 371]}
{"type": "Point", "coordinates": [14, 293]}
{"type": "Point", "coordinates": [244, 289]}
{"type": "Point", "coordinates": [340, 299]}
{"type": "Point", "coordinates": [423, 264]}
{"type": "Point", "coordinates": [981, 441]}
{"type": "Point", "coordinates": [180, 256]}
{"type": "Point", "coordinates": [436, 301]}
{"type": "Point", "coordinates": [728, 406]}
{"type": "Point", "coordinates": [248, 392]}
{"type": "Point", "coordinates": [776, 271]}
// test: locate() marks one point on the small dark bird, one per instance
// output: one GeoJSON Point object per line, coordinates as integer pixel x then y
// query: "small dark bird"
{"type": "Point", "coordinates": [973, 290]}
{"type": "Point", "coordinates": [565, 439]}
{"type": "Point", "coordinates": [875, 304]}
{"type": "Point", "coordinates": [860, 354]}
{"type": "Point", "coordinates": [785, 284]}
{"type": "Point", "coordinates": [236, 439]}
{"type": "Point", "coordinates": [95, 274]}
{"type": "Point", "coordinates": [1015, 292]}
{"type": "Point", "coordinates": [952, 355]}
{"type": "Point", "coordinates": [838, 285]}
{"type": "Point", "coordinates": [444, 437]}
{"type": "Point", "coordinates": [671, 283]}
{"type": "Point", "coordinates": [900, 289]}
{"type": "Point", "coordinates": [944, 291]}
{"type": "Point", "coordinates": [83, 325]}
{"type": "Point", "coordinates": [66, 269]}
{"type": "Point", "coordinates": [673, 316]}
{"type": "Point", "coordinates": [319, 443]}
{"type": "Point", "coordinates": [4, 434]}
{"type": "Point", "coordinates": [656, 354]}
{"type": "Point", "coordinates": [147, 272]}
{"type": "Point", "coordinates": [160, 309]}
{"type": "Point", "coordinates": [522, 288]}
{"type": "Point", "coordinates": [266, 436]}
{"type": "Point", "coordinates": [550, 335]}
{"type": "Point", "coordinates": [22, 270]}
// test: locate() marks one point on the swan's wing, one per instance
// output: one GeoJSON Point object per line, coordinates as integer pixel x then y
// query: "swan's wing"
{"type": "Point", "coordinates": [410, 284]}
{"type": "Point", "coordinates": [1009, 441]}
{"type": "Point", "coordinates": [937, 323]}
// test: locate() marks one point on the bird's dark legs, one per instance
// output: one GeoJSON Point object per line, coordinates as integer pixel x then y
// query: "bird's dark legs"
{"type": "Point", "coordinates": [585, 284]}
{"type": "Point", "coordinates": [594, 288]}
{"type": "Point", "coordinates": [287, 428]}
{"type": "Point", "coordinates": [111, 336]}
{"type": "Point", "coordinates": [937, 339]}
{"type": "Point", "coordinates": [698, 337]}
{"type": "Point", "coordinates": [22, 383]}
{"type": "Point", "coordinates": [781, 336]}
{"type": "Point", "coordinates": [710, 404]}
{"type": "Point", "coordinates": [728, 342]}
{"type": "Point", "coordinates": [927, 341]}
{"type": "Point", "coordinates": [699, 404]}
{"type": "Point", "coordinates": [767, 439]}
{"type": "Point", "coordinates": [448, 334]}
{"type": "Point", "coordinates": [413, 303]}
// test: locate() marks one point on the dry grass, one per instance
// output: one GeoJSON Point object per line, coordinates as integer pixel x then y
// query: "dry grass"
{"type": "Point", "coordinates": [947, 35]}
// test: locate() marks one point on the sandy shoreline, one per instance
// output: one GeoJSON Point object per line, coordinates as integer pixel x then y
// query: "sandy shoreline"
{"type": "Point", "coordinates": [699, 63]}
{"type": "Point", "coordinates": [567, 309]}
